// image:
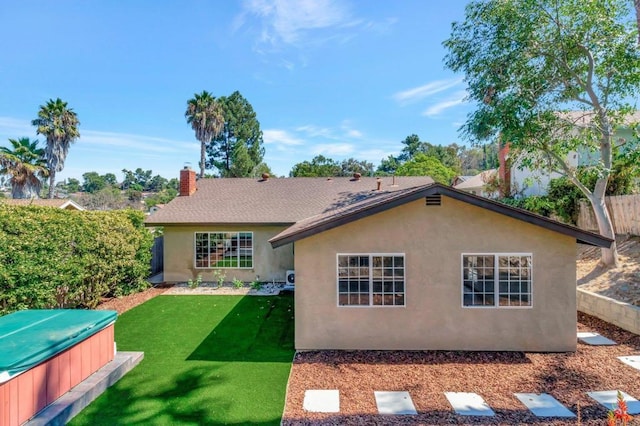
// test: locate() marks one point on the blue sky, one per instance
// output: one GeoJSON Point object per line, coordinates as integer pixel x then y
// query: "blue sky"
{"type": "Point", "coordinates": [341, 78]}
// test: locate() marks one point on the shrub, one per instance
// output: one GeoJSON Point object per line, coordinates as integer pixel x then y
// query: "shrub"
{"type": "Point", "coordinates": [52, 258]}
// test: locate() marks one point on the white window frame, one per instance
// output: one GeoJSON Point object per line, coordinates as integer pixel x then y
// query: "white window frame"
{"type": "Point", "coordinates": [371, 256]}
{"type": "Point", "coordinates": [237, 235]}
{"type": "Point", "coordinates": [496, 281]}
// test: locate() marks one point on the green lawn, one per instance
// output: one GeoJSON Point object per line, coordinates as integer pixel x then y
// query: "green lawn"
{"type": "Point", "coordinates": [207, 360]}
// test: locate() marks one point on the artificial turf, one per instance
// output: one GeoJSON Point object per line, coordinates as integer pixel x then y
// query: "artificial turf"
{"type": "Point", "coordinates": [207, 360]}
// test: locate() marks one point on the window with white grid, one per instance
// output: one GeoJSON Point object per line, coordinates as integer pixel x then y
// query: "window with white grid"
{"type": "Point", "coordinates": [371, 280]}
{"type": "Point", "coordinates": [224, 250]}
{"type": "Point", "coordinates": [496, 280]}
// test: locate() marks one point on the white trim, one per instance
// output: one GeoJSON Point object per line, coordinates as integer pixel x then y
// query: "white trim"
{"type": "Point", "coordinates": [496, 256]}
{"type": "Point", "coordinates": [73, 204]}
{"type": "Point", "coordinates": [371, 255]}
{"type": "Point", "coordinates": [224, 267]}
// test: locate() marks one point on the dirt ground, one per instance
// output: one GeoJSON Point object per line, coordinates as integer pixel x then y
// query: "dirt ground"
{"type": "Point", "coordinates": [622, 283]}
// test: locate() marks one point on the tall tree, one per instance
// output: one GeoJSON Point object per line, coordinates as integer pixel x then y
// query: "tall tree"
{"type": "Point", "coordinates": [240, 140]}
{"type": "Point", "coordinates": [319, 166]}
{"type": "Point", "coordinates": [388, 166]}
{"type": "Point", "coordinates": [93, 182]}
{"type": "Point", "coordinates": [59, 124]}
{"type": "Point", "coordinates": [205, 116]}
{"type": "Point", "coordinates": [424, 165]}
{"type": "Point", "coordinates": [25, 166]}
{"type": "Point", "coordinates": [412, 146]}
{"type": "Point", "coordinates": [527, 63]}
{"type": "Point", "coordinates": [350, 166]}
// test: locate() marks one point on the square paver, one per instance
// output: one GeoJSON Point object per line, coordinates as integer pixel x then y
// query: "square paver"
{"type": "Point", "coordinates": [544, 405]}
{"type": "Point", "coordinates": [609, 399]}
{"type": "Point", "coordinates": [632, 360]}
{"type": "Point", "coordinates": [322, 401]}
{"type": "Point", "coordinates": [394, 403]}
{"type": "Point", "coordinates": [595, 339]}
{"type": "Point", "coordinates": [469, 404]}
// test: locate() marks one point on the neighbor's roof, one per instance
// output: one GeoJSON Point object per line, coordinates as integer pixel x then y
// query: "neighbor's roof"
{"type": "Point", "coordinates": [479, 180]}
{"type": "Point", "coordinates": [381, 202]}
{"type": "Point", "coordinates": [272, 201]}
{"type": "Point", "coordinates": [43, 202]}
{"type": "Point", "coordinates": [583, 118]}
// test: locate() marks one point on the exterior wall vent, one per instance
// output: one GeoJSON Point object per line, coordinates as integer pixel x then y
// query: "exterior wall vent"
{"type": "Point", "coordinates": [433, 200]}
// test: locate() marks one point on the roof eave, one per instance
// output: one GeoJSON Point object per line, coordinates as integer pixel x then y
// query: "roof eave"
{"type": "Point", "coordinates": [340, 220]}
{"type": "Point", "coordinates": [581, 236]}
{"type": "Point", "coordinates": [584, 237]}
{"type": "Point", "coordinates": [152, 224]}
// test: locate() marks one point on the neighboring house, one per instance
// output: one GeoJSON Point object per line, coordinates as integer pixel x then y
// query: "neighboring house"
{"type": "Point", "coordinates": [527, 182]}
{"type": "Point", "coordinates": [459, 179]}
{"type": "Point", "coordinates": [482, 184]}
{"type": "Point", "coordinates": [60, 203]}
{"type": "Point", "coordinates": [389, 263]}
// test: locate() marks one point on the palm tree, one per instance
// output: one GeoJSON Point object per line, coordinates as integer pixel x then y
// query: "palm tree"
{"type": "Point", "coordinates": [206, 118]}
{"type": "Point", "coordinates": [25, 165]}
{"type": "Point", "coordinates": [59, 125]}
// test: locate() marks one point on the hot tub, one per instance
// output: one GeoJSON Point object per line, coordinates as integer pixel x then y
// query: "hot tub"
{"type": "Point", "coordinates": [44, 353]}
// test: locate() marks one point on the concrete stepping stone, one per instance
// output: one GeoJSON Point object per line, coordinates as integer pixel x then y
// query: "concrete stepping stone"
{"type": "Point", "coordinates": [544, 405]}
{"type": "Point", "coordinates": [322, 401]}
{"type": "Point", "coordinates": [394, 403]}
{"type": "Point", "coordinates": [469, 404]}
{"type": "Point", "coordinates": [609, 399]}
{"type": "Point", "coordinates": [595, 339]}
{"type": "Point", "coordinates": [632, 360]}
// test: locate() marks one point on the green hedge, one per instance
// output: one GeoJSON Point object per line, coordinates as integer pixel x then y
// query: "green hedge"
{"type": "Point", "coordinates": [52, 258]}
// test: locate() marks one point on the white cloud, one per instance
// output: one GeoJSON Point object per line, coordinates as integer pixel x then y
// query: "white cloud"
{"type": "Point", "coordinates": [100, 140]}
{"type": "Point", "coordinates": [314, 131]}
{"type": "Point", "coordinates": [303, 23]}
{"type": "Point", "coordinates": [286, 20]}
{"type": "Point", "coordinates": [421, 92]}
{"type": "Point", "coordinates": [147, 144]}
{"type": "Point", "coordinates": [333, 149]}
{"type": "Point", "coordinates": [280, 137]}
{"type": "Point", "coordinates": [16, 128]}
{"type": "Point", "coordinates": [349, 131]}
{"type": "Point", "coordinates": [455, 100]}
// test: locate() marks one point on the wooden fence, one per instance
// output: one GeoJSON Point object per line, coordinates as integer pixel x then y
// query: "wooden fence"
{"type": "Point", "coordinates": [157, 256]}
{"type": "Point", "coordinates": [625, 212]}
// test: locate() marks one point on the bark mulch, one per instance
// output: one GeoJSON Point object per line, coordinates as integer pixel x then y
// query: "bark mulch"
{"type": "Point", "coordinates": [124, 303]}
{"type": "Point", "coordinates": [495, 376]}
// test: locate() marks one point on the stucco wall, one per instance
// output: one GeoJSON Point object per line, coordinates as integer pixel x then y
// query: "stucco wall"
{"type": "Point", "coordinates": [433, 239]}
{"type": "Point", "coordinates": [268, 263]}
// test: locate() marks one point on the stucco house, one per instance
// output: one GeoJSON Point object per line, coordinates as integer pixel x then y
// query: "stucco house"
{"type": "Point", "coordinates": [384, 263]}
{"type": "Point", "coordinates": [480, 184]}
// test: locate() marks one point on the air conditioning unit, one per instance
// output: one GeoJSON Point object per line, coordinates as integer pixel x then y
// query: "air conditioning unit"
{"type": "Point", "coordinates": [291, 277]}
{"type": "Point", "coordinates": [290, 280]}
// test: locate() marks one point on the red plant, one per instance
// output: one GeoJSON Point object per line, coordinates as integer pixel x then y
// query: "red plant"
{"type": "Point", "coordinates": [620, 413]}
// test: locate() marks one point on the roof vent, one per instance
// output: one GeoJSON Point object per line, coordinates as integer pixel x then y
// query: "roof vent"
{"type": "Point", "coordinates": [379, 184]}
{"type": "Point", "coordinates": [265, 176]}
{"type": "Point", "coordinates": [357, 176]}
{"type": "Point", "coordinates": [433, 200]}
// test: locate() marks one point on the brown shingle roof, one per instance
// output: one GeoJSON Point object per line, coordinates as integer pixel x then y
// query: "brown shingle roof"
{"type": "Point", "coordinates": [363, 208]}
{"type": "Point", "coordinates": [272, 201]}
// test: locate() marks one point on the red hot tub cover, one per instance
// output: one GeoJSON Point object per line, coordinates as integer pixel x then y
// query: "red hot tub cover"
{"type": "Point", "coordinates": [30, 337]}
